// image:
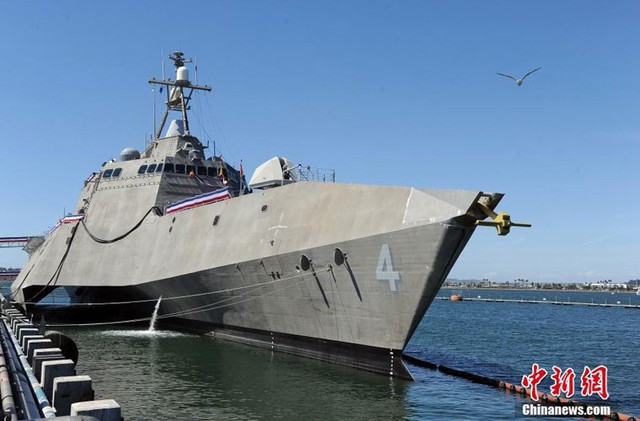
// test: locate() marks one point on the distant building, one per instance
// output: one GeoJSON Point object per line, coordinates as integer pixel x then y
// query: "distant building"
{"type": "Point", "coordinates": [607, 285]}
{"type": "Point", "coordinates": [634, 283]}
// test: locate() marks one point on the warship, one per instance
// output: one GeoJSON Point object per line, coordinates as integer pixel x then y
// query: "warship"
{"type": "Point", "coordinates": [291, 261]}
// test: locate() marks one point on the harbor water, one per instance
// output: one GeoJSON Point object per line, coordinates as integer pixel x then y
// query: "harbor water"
{"type": "Point", "coordinates": [159, 374]}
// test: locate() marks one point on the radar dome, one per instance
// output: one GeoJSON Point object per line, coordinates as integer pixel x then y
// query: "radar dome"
{"type": "Point", "coordinates": [129, 154]}
{"type": "Point", "coordinates": [182, 76]}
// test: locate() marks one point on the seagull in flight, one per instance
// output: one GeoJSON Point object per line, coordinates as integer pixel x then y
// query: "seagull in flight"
{"type": "Point", "coordinates": [519, 81]}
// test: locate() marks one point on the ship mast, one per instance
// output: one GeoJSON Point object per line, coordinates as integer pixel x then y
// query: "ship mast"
{"type": "Point", "coordinates": [176, 98]}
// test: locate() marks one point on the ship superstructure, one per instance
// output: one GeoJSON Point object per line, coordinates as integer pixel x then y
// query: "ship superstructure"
{"type": "Point", "coordinates": [338, 272]}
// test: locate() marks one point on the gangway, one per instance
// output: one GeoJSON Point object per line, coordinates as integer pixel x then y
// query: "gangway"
{"type": "Point", "coordinates": [8, 242]}
{"type": "Point", "coordinates": [27, 243]}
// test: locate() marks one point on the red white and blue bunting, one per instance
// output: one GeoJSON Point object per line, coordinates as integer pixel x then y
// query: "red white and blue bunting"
{"type": "Point", "coordinates": [200, 200]}
{"type": "Point", "coordinates": [71, 219]}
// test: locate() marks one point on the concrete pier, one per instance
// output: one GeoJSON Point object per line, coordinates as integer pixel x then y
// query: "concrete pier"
{"type": "Point", "coordinates": [104, 410]}
{"type": "Point", "coordinates": [36, 344]}
{"type": "Point", "coordinates": [24, 332]}
{"type": "Point", "coordinates": [53, 369]}
{"type": "Point", "coordinates": [39, 379]}
{"type": "Point", "coordinates": [68, 390]}
{"type": "Point", "coordinates": [26, 338]}
{"type": "Point", "coordinates": [42, 355]}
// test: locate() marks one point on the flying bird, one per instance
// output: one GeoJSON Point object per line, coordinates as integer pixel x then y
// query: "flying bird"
{"type": "Point", "coordinates": [519, 81]}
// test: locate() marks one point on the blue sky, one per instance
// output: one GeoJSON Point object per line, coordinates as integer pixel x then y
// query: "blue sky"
{"type": "Point", "coordinates": [400, 93]}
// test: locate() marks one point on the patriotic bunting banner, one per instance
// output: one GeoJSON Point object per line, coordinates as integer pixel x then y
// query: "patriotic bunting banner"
{"type": "Point", "coordinates": [202, 199]}
{"type": "Point", "coordinates": [68, 220]}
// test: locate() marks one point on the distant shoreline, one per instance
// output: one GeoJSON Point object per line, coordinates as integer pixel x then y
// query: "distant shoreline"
{"type": "Point", "coordinates": [533, 289]}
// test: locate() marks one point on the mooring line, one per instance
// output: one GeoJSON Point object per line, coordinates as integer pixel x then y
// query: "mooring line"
{"type": "Point", "coordinates": [170, 298]}
{"type": "Point", "coordinates": [199, 309]}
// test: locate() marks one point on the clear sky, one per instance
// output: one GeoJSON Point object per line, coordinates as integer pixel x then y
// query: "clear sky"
{"type": "Point", "coordinates": [393, 92]}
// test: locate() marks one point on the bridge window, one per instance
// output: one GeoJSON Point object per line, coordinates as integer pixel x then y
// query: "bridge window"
{"type": "Point", "coordinates": [191, 168]}
{"type": "Point", "coordinates": [211, 172]}
{"type": "Point", "coordinates": [107, 173]}
{"type": "Point", "coordinates": [116, 172]}
{"type": "Point", "coordinates": [168, 167]}
{"type": "Point", "coordinates": [180, 168]}
{"type": "Point", "coordinates": [159, 167]}
{"type": "Point", "coordinates": [151, 168]}
{"type": "Point", "coordinates": [202, 171]}
{"type": "Point", "coordinates": [142, 169]}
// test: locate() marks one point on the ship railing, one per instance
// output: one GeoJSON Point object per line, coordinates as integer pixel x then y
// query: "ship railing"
{"type": "Point", "coordinates": [314, 174]}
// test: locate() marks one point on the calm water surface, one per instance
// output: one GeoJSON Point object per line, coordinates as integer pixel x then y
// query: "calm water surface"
{"type": "Point", "coordinates": [175, 376]}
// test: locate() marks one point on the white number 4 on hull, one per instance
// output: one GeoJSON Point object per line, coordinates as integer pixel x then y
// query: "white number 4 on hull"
{"type": "Point", "coordinates": [385, 271]}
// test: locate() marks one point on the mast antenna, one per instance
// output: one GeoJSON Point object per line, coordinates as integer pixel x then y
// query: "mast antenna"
{"type": "Point", "coordinates": [177, 100]}
{"type": "Point", "coordinates": [195, 65]}
{"type": "Point", "coordinates": [153, 98]}
{"type": "Point", "coordinates": [162, 62]}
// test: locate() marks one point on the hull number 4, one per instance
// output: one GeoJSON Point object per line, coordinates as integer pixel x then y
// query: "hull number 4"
{"type": "Point", "coordinates": [385, 271]}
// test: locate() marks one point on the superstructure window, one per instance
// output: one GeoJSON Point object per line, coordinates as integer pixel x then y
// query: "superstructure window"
{"type": "Point", "coordinates": [202, 171]}
{"type": "Point", "coordinates": [159, 167]}
{"type": "Point", "coordinates": [211, 172]}
{"type": "Point", "coordinates": [191, 168]}
{"type": "Point", "coordinates": [116, 172]}
{"type": "Point", "coordinates": [151, 168]}
{"type": "Point", "coordinates": [107, 173]}
{"type": "Point", "coordinates": [180, 168]}
{"type": "Point", "coordinates": [168, 167]}
{"type": "Point", "coordinates": [142, 169]}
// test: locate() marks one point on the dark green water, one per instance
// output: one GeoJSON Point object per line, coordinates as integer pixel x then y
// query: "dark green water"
{"type": "Point", "coordinates": [172, 376]}
{"type": "Point", "coordinates": [166, 376]}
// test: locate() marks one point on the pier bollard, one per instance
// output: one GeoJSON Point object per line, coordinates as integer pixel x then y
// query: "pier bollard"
{"type": "Point", "coordinates": [36, 344]}
{"type": "Point", "coordinates": [53, 369]}
{"type": "Point", "coordinates": [68, 390]}
{"type": "Point", "coordinates": [44, 354]}
{"type": "Point", "coordinates": [26, 339]}
{"type": "Point", "coordinates": [104, 410]}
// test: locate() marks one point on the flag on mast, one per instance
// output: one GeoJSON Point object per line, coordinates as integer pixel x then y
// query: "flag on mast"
{"type": "Point", "coordinates": [221, 172]}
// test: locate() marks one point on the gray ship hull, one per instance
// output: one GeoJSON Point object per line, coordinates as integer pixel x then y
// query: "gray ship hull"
{"type": "Point", "coordinates": [342, 273]}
